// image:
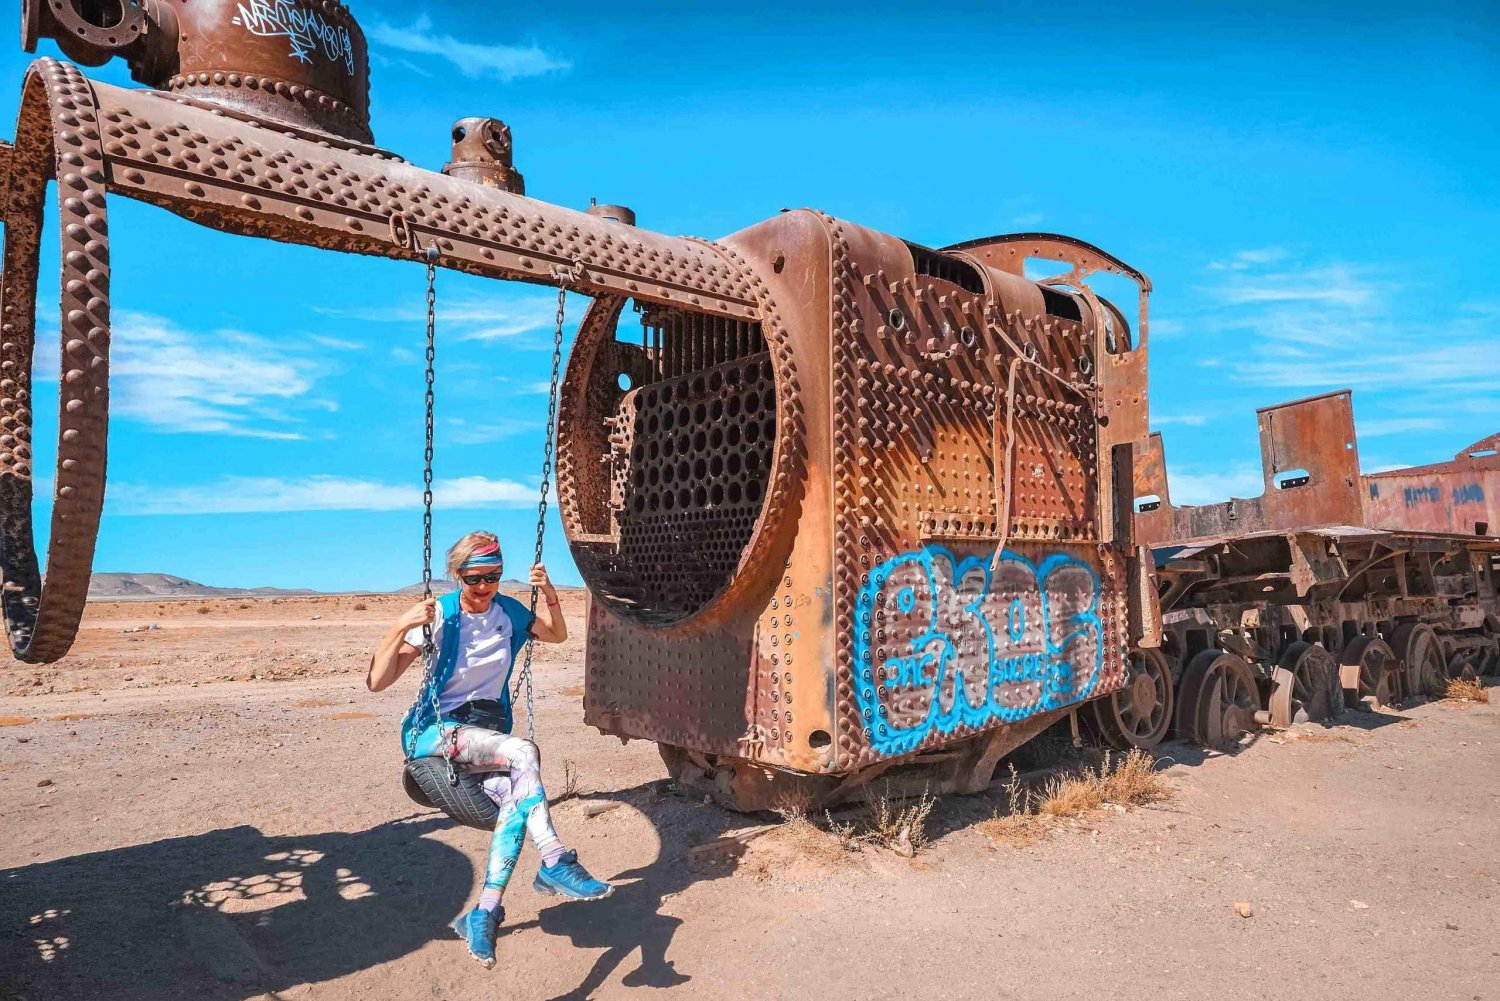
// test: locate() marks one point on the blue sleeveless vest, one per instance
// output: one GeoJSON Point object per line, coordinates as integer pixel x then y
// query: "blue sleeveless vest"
{"type": "Point", "coordinates": [420, 716]}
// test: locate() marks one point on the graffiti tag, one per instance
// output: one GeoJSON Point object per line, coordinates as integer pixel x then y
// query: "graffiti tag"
{"type": "Point", "coordinates": [307, 30]}
{"type": "Point", "coordinates": [1421, 495]}
{"type": "Point", "coordinates": [942, 643]}
{"type": "Point", "coordinates": [1469, 493]}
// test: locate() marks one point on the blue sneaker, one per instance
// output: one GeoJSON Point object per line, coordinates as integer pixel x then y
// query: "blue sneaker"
{"type": "Point", "coordinates": [569, 879]}
{"type": "Point", "coordinates": [478, 929]}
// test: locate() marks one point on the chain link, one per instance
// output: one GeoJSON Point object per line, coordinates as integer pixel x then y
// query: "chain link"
{"type": "Point", "coordinates": [429, 649]}
{"type": "Point", "coordinates": [523, 679]}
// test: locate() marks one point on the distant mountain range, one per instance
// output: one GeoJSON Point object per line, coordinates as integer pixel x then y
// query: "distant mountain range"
{"type": "Point", "coordinates": [162, 585]}
{"type": "Point", "coordinates": [156, 586]}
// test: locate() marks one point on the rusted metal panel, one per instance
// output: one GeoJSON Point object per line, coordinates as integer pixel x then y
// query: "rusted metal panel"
{"type": "Point", "coordinates": [1461, 497]}
{"type": "Point", "coordinates": [840, 500]}
{"type": "Point", "coordinates": [1310, 472]}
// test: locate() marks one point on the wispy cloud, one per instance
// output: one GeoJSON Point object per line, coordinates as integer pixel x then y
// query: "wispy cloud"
{"type": "Point", "coordinates": [1399, 425]}
{"type": "Point", "coordinates": [1214, 486]}
{"type": "Point", "coordinates": [1187, 420]}
{"type": "Point", "coordinates": [220, 382]}
{"type": "Point", "coordinates": [463, 431]}
{"type": "Point", "coordinates": [506, 62]}
{"type": "Point", "coordinates": [263, 495]}
{"type": "Point", "coordinates": [469, 319]}
{"type": "Point", "coordinates": [1334, 284]}
{"type": "Point", "coordinates": [336, 343]}
{"type": "Point", "coordinates": [1337, 324]}
{"type": "Point", "coordinates": [1246, 259]}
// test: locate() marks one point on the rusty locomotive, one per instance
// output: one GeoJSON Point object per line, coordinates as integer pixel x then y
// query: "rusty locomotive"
{"type": "Point", "coordinates": [847, 507]}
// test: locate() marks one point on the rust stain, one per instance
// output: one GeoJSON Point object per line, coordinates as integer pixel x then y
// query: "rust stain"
{"type": "Point", "coordinates": [354, 715]}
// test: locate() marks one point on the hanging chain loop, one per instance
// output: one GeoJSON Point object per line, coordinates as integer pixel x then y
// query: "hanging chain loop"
{"type": "Point", "coordinates": [564, 278]}
{"type": "Point", "coordinates": [429, 649]}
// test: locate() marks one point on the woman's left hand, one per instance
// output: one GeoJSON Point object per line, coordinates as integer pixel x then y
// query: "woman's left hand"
{"type": "Point", "coordinates": [540, 579]}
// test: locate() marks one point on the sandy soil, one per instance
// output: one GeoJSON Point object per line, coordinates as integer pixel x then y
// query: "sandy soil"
{"type": "Point", "coordinates": [167, 831]}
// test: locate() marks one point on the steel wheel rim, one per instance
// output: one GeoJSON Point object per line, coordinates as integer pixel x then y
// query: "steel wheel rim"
{"type": "Point", "coordinates": [1140, 713]}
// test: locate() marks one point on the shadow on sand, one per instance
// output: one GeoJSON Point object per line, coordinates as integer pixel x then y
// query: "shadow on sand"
{"type": "Point", "coordinates": [229, 914]}
{"type": "Point", "coordinates": [234, 914]}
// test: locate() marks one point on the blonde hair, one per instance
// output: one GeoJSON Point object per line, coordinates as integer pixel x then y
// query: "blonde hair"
{"type": "Point", "coordinates": [464, 548]}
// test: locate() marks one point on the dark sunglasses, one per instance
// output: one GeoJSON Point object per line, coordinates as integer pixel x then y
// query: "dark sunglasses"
{"type": "Point", "coordinates": [480, 578]}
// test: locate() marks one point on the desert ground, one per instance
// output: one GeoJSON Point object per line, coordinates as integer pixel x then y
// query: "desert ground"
{"type": "Point", "coordinates": [211, 808]}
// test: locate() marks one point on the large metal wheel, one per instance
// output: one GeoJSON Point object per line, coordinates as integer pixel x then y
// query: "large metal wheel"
{"type": "Point", "coordinates": [1491, 664]}
{"type": "Point", "coordinates": [1466, 664]}
{"type": "Point", "coordinates": [1423, 666]}
{"type": "Point", "coordinates": [1138, 715]}
{"type": "Point", "coordinates": [1379, 669]}
{"type": "Point", "coordinates": [1219, 700]}
{"type": "Point", "coordinates": [1305, 688]}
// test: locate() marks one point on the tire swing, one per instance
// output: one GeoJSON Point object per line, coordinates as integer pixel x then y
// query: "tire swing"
{"type": "Point", "coordinates": [433, 781]}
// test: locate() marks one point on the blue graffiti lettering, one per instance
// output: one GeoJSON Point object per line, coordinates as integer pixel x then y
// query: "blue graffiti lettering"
{"type": "Point", "coordinates": [1421, 495]}
{"type": "Point", "coordinates": [958, 644]}
{"type": "Point", "coordinates": [1469, 493]}
{"type": "Point", "coordinates": [306, 30]}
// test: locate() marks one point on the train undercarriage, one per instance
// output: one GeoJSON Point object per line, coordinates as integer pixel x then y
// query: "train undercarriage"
{"type": "Point", "coordinates": [1332, 590]}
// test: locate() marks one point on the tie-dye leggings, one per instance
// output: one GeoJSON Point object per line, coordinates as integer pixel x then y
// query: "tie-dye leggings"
{"type": "Point", "coordinates": [519, 795]}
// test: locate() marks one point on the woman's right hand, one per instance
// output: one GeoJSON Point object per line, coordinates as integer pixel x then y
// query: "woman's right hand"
{"type": "Point", "coordinates": [418, 615]}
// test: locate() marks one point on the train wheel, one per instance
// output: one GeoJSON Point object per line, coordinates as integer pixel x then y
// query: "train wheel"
{"type": "Point", "coordinates": [1379, 669]}
{"type": "Point", "coordinates": [1219, 700]}
{"type": "Point", "coordinates": [1422, 661]}
{"type": "Point", "coordinates": [1306, 687]}
{"type": "Point", "coordinates": [1465, 665]}
{"type": "Point", "coordinates": [1138, 715]}
{"type": "Point", "coordinates": [1491, 665]}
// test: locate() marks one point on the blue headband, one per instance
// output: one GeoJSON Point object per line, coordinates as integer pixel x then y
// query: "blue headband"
{"type": "Point", "coordinates": [484, 556]}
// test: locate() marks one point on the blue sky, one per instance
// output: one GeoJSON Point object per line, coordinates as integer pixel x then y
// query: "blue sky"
{"type": "Point", "coordinates": [1312, 191]}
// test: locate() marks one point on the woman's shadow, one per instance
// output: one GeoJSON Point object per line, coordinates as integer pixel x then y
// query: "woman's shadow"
{"type": "Point", "coordinates": [229, 914]}
{"type": "Point", "coordinates": [631, 918]}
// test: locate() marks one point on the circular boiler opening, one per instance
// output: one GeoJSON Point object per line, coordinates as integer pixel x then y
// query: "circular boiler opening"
{"type": "Point", "coordinates": [100, 13]}
{"type": "Point", "coordinates": [689, 460]}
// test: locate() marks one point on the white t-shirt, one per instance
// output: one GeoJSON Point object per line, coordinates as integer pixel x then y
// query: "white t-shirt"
{"type": "Point", "coordinates": [483, 658]}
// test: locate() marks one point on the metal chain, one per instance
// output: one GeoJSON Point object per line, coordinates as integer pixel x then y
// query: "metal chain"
{"type": "Point", "coordinates": [429, 649]}
{"type": "Point", "coordinates": [523, 679]}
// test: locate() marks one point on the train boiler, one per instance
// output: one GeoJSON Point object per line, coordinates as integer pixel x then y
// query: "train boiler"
{"type": "Point", "coordinates": [872, 533]}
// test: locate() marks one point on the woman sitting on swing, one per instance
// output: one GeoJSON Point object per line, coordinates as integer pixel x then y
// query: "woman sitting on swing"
{"type": "Point", "coordinates": [478, 637]}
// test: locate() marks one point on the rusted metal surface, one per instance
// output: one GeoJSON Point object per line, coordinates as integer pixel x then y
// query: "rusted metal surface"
{"type": "Point", "coordinates": [298, 62]}
{"type": "Point", "coordinates": [1384, 584]}
{"type": "Point", "coordinates": [484, 154]}
{"type": "Point", "coordinates": [867, 585]}
{"type": "Point", "coordinates": [846, 506]}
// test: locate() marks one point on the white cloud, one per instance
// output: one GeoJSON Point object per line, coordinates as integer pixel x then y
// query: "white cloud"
{"type": "Point", "coordinates": [223, 382]}
{"type": "Point", "coordinates": [462, 431]}
{"type": "Point", "coordinates": [1399, 425]}
{"type": "Point", "coordinates": [1336, 284]}
{"type": "Point", "coordinates": [1213, 487]}
{"type": "Point", "coordinates": [260, 495]}
{"type": "Point", "coordinates": [466, 319]}
{"type": "Point", "coordinates": [337, 343]}
{"type": "Point", "coordinates": [507, 62]}
{"type": "Point", "coordinates": [1188, 420]}
{"type": "Point", "coordinates": [1247, 259]}
{"type": "Point", "coordinates": [1167, 328]}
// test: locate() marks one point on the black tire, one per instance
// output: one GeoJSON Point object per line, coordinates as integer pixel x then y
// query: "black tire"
{"type": "Point", "coordinates": [426, 782]}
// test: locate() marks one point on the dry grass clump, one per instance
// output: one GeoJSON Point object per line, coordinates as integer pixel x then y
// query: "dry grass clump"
{"type": "Point", "coordinates": [1123, 782]}
{"type": "Point", "coordinates": [1132, 782]}
{"type": "Point", "coordinates": [885, 821]}
{"type": "Point", "coordinates": [1018, 830]}
{"type": "Point", "coordinates": [1464, 690]}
